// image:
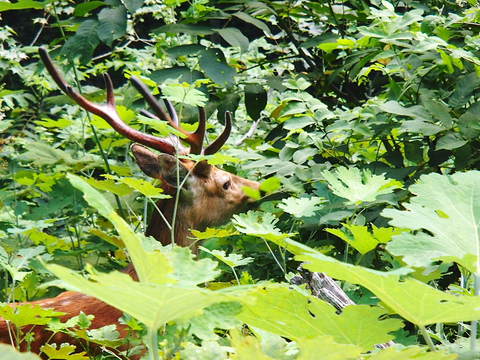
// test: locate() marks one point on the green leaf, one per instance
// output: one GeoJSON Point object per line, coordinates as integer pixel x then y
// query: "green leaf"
{"type": "Point", "coordinates": [258, 224]}
{"type": "Point", "coordinates": [407, 296]}
{"type": "Point", "coordinates": [50, 123]}
{"type": "Point", "coordinates": [9, 353]}
{"type": "Point", "coordinates": [254, 21]}
{"type": "Point", "coordinates": [450, 141]}
{"type": "Point", "coordinates": [298, 122]}
{"type": "Point", "coordinates": [291, 314]}
{"type": "Point", "coordinates": [232, 260]}
{"type": "Point", "coordinates": [188, 271]}
{"type": "Point", "coordinates": [448, 208]}
{"type": "Point", "coordinates": [112, 24]}
{"type": "Point", "coordinates": [83, 43]}
{"type": "Point", "coordinates": [84, 8]}
{"type": "Point", "coordinates": [234, 37]}
{"type": "Point", "coordinates": [358, 185]}
{"type": "Point", "coordinates": [309, 349]}
{"type": "Point", "coordinates": [161, 126]}
{"type": "Point", "coordinates": [302, 207]}
{"type": "Point", "coordinates": [152, 304]}
{"type": "Point", "coordinates": [255, 100]}
{"type": "Point", "coordinates": [184, 93]}
{"type": "Point", "coordinates": [64, 352]}
{"type": "Point", "coordinates": [212, 233]}
{"type": "Point", "coordinates": [217, 70]}
{"type": "Point", "coordinates": [360, 238]}
{"type": "Point", "coordinates": [179, 74]}
{"type": "Point", "coordinates": [142, 186]}
{"type": "Point", "coordinates": [110, 186]}
{"type": "Point", "coordinates": [28, 314]}
{"type": "Point", "coordinates": [270, 185]}
{"type": "Point", "coordinates": [23, 4]}
{"type": "Point", "coordinates": [216, 316]}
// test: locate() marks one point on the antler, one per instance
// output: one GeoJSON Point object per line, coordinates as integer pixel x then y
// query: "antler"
{"type": "Point", "coordinates": [109, 113]}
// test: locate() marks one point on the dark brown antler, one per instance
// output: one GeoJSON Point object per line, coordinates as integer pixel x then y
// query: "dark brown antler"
{"type": "Point", "coordinates": [109, 113]}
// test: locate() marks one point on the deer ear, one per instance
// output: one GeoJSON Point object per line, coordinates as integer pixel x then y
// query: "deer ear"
{"type": "Point", "coordinates": [159, 166]}
{"type": "Point", "coordinates": [202, 169]}
{"type": "Point", "coordinates": [147, 160]}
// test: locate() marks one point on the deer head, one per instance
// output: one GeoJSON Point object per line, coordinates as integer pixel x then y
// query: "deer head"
{"type": "Point", "coordinates": [209, 196]}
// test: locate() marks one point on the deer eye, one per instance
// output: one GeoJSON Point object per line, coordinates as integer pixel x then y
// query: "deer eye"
{"type": "Point", "coordinates": [227, 184]}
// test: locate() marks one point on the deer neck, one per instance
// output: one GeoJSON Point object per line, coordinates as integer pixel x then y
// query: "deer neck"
{"type": "Point", "coordinates": [159, 229]}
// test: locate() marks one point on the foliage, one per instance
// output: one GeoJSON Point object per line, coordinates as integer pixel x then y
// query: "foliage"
{"type": "Point", "coordinates": [359, 118]}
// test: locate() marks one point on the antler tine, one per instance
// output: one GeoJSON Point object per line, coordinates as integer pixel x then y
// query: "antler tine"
{"type": "Point", "coordinates": [172, 111]}
{"type": "Point", "coordinates": [107, 111]}
{"type": "Point", "coordinates": [195, 140]}
{"type": "Point", "coordinates": [218, 143]}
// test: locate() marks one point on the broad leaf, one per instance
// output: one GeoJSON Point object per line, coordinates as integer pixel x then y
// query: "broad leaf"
{"type": "Point", "coordinates": [152, 304]}
{"type": "Point", "coordinates": [28, 314]}
{"type": "Point", "coordinates": [407, 297]}
{"type": "Point", "coordinates": [232, 260]}
{"type": "Point", "coordinates": [112, 24]}
{"type": "Point", "coordinates": [64, 352]}
{"type": "Point", "coordinates": [448, 208]}
{"type": "Point", "coordinates": [331, 350]}
{"type": "Point", "coordinates": [302, 207]}
{"type": "Point", "coordinates": [291, 314]}
{"type": "Point", "coordinates": [358, 185]}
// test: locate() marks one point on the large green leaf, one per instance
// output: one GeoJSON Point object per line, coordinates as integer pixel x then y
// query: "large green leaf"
{"type": "Point", "coordinates": [289, 313]}
{"type": "Point", "coordinates": [112, 24]}
{"type": "Point", "coordinates": [84, 42]}
{"type": "Point", "coordinates": [448, 208]}
{"type": "Point", "coordinates": [358, 185]}
{"type": "Point", "coordinates": [412, 299]}
{"type": "Point", "coordinates": [152, 304]}
{"type": "Point", "coordinates": [234, 37]}
{"type": "Point", "coordinates": [330, 349]}
{"type": "Point", "coordinates": [216, 69]}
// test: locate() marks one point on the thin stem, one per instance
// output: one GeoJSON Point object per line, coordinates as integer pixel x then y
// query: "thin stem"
{"type": "Point", "coordinates": [274, 257]}
{"type": "Point", "coordinates": [95, 136]}
{"type": "Point", "coordinates": [152, 344]}
{"type": "Point", "coordinates": [427, 337]}
{"type": "Point", "coordinates": [235, 274]}
{"type": "Point", "coordinates": [474, 326]}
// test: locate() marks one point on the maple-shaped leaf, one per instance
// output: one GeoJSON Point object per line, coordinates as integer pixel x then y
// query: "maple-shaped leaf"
{"type": "Point", "coordinates": [231, 260]}
{"type": "Point", "coordinates": [291, 314]}
{"type": "Point", "coordinates": [362, 239]}
{"type": "Point", "coordinates": [64, 352]}
{"type": "Point", "coordinates": [28, 314]}
{"type": "Point", "coordinates": [216, 316]}
{"type": "Point", "coordinates": [406, 296]}
{"type": "Point", "coordinates": [141, 185]}
{"type": "Point", "coordinates": [358, 185]}
{"type": "Point", "coordinates": [259, 224]}
{"type": "Point", "coordinates": [187, 270]}
{"type": "Point", "coordinates": [447, 207]}
{"type": "Point", "coordinates": [301, 207]}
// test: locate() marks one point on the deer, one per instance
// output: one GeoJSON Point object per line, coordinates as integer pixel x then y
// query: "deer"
{"type": "Point", "coordinates": [209, 196]}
